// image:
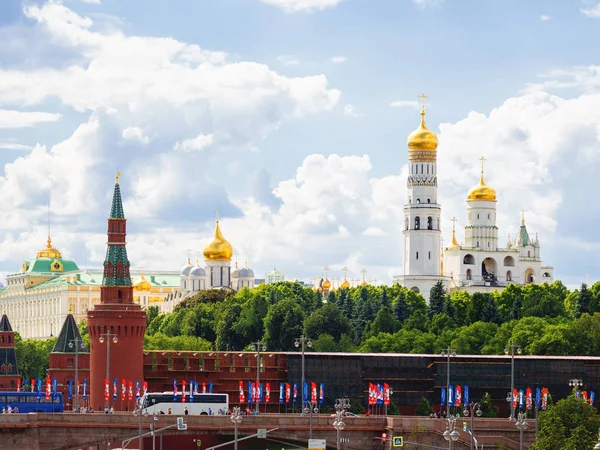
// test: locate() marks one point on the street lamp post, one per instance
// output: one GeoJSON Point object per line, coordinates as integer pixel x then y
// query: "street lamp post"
{"type": "Point", "coordinates": [236, 418]}
{"type": "Point", "coordinates": [139, 411]}
{"type": "Point", "coordinates": [537, 424]}
{"type": "Point", "coordinates": [76, 343]}
{"type": "Point", "coordinates": [451, 434]}
{"type": "Point", "coordinates": [257, 346]}
{"type": "Point", "coordinates": [339, 425]}
{"type": "Point", "coordinates": [448, 352]}
{"type": "Point", "coordinates": [597, 446]}
{"type": "Point", "coordinates": [107, 337]}
{"type": "Point", "coordinates": [301, 341]}
{"type": "Point", "coordinates": [310, 408]}
{"type": "Point", "coordinates": [575, 383]}
{"type": "Point", "coordinates": [473, 412]}
{"type": "Point", "coordinates": [510, 396]}
{"type": "Point", "coordinates": [522, 426]}
{"type": "Point", "coordinates": [154, 419]}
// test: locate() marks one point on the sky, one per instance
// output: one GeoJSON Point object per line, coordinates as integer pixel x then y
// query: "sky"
{"type": "Point", "coordinates": [290, 118]}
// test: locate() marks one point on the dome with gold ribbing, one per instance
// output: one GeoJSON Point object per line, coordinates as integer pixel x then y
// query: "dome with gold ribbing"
{"type": "Point", "coordinates": [422, 142]}
{"type": "Point", "coordinates": [482, 191]}
{"type": "Point", "coordinates": [219, 248]}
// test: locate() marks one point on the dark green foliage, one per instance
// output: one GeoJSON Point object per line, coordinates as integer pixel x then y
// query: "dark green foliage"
{"type": "Point", "coordinates": [585, 299]}
{"type": "Point", "coordinates": [401, 311]}
{"type": "Point", "coordinates": [151, 314]}
{"type": "Point", "coordinates": [424, 408]}
{"type": "Point", "coordinates": [357, 407]}
{"type": "Point", "coordinates": [490, 312]}
{"type": "Point", "coordinates": [33, 356]}
{"type": "Point", "coordinates": [283, 324]}
{"type": "Point", "coordinates": [328, 320]}
{"type": "Point", "coordinates": [436, 299]}
{"type": "Point", "coordinates": [487, 409]}
{"type": "Point", "coordinates": [384, 301]}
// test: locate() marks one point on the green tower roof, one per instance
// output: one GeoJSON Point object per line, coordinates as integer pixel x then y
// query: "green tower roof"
{"type": "Point", "coordinates": [69, 334]}
{"type": "Point", "coordinates": [116, 211]}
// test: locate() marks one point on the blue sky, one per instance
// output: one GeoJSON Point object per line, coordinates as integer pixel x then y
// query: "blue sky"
{"type": "Point", "coordinates": [279, 114]}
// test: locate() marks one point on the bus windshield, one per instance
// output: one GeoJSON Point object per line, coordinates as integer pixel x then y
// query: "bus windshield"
{"type": "Point", "coordinates": [30, 402]}
{"type": "Point", "coordinates": [167, 403]}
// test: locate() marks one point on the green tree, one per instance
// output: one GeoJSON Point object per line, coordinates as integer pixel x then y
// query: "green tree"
{"type": "Point", "coordinates": [325, 343]}
{"type": "Point", "coordinates": [436, 299]}
{"type": "Point", "coordinates": [383, 297]}
{"type": "Point", "coordinates": [151, 314]}
{"type": "Point", "coordinates": [424, 408]}
{"type": "Point", "coordinates": [569, 424]}
{"type": "Point", "coordinates": [585, 299]}
{"type": "Point", "coordinates": [401, 311]}
{"type": "Point", "coordinates": [329, 320]}
{"type": "Point", "coordinates": [227, 337]}
{"type": "Point", "coordinates": [487, 409]}
{"type": "Point", "coordinates": [283, 324]}
{"type": "Point", "coordinates": [384, 322]}
{"type": "Point", "coordinates": [490, 312]}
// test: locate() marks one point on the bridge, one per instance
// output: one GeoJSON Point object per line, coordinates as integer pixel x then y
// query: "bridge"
{"type": "Point", "coordinates": [70, 431]}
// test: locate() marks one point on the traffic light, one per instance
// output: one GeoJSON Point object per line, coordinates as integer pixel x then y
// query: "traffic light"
{"type": "Point", "coordinates": [383, 437]}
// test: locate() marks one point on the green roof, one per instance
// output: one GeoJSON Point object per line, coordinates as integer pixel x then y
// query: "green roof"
{"type": "Point", "coordinates": [79, 279]}
{"type": "Point", "coordinates": [116, 210]}
{"type": "Point", "coordinates": [45, 265]}
{"type": "Point", "coordinates": [523, 236]}
{"type": "Point", "coordinates": [69, 334]}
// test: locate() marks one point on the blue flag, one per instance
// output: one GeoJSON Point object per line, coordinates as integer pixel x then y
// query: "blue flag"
{"type": "Point", "coordinates": [450, 395]}
{"type": "Point", "coordinates": [54, 388]}
{"type": "Point", "coordinates": [25, 384]}
{"type": "Point", "coordinates": [210, 387]}
{"type": "Point", "coordinates": [538, 397]}
{"type": "Point", "coordinates": [305, 392]}
{"type": "Point", "coordinates": [521, 398]}
{"type": "Point", "coordinates": [443, 399]}
{"type": "Point", "coordinates": [114, 389]}
{"type": "Point", "coordinates": [592, 395]}
{"type": "Point", "coordinates": [250, 396]}
{"type": "Point", "coordinates": [466, 395]}
{"type": "Point", "coordinates": [281, 392]}
{"type": "Point", "coordinates": [260, 390]}
{"type": "Point", "coordinates": [295, 392]}
{"type": "Point", "coordinates": [321, 393]}
{"type": "Point", "coordinates": [85, 388]}
{"type": "Point", "coordinates": [192, 388]}
{"type": "Point", "coordinates": [70, 389]}
{"type": "Point", "coordinates": [39, 392]}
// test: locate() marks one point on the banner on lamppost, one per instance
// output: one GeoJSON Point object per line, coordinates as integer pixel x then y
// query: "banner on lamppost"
{"type": "Point", "coordinates": [281, 392]}
{"type": "Point", "coordinates": [183, 391]}
{"type": "Point", "coordinates": [174, 390]}
{"type": "Point", "coordinates": [295, 392]}
{"type": "Point", "coordinates": [137, 390]}
{"type": "Point", "coordinates": [386, 394]}
{"type": "Point", "coordinates": [457, 396]}
{"type": "Point", "coordinates": [115, 390]}
{"type": "Point", "coordinates": [313, 390]}
{"type": "Point", "coordinates": [443, 396]}
{"type": "Point", "coordinates": [528, 399]}
{"type": "Point", "coordinates": [130, 391]}
{"type": "Point", "coordinates": [305, 392]}
{"type": "Point", "coordinates": [592, 395]}
{"type": "Point", "coordinates": [54, 385]}
{"type": "Point", "coordinates": [321, 393]}
{"type": "Point", "coordinates": [544, 398]}
{"type": "Point", "coordinates": [287, 392]}
{"type": "Point", "coordinates": [242, 396]}
{"type": "Point", "coordinates": [145, 387]}
{"type": "Point", "coordinates": [106, 394]}
{"type": "Point", "coordinates": [70, 389]}
{"type": "Point", "coordinates": [48, 388]}
{"type": "Point", "coordinates": [267, 392]}
{"type": "Point", "coordinates": [33, 385]}
{"type": "Point", "coordinates": [450, 395]}
{"type": "Point", "coordinates": [538, 398]}
{"type": "Point", "coordinates": [250, 392]}
{"type": "Point", "coordinates": [18, 384]}
{"type": "Point", "coordinates": [466, 395]}
{"type": "Point", "coordinates": [123, 389]}
{"type": "Point", "coordinates": [85, 389]}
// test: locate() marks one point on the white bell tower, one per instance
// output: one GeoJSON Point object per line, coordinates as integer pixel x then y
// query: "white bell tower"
{"type": "Point", "coordinates": [422, 213]}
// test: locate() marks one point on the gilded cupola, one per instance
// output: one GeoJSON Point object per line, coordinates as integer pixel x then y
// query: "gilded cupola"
{"type": "Point", "coordinates": [142, 284]}
{"type": "Point", "coordinates": [219, 248]}
{"type": "Point", "coordinates": [482, 191]}
{"type": "Point", "coordinates": [422, 142]}
{"type": "Point", "coordinates": [49, 251]}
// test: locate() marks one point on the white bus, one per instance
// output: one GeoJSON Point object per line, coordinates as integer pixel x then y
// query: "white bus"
{"type": "Point", "coordinates": [204, 404]}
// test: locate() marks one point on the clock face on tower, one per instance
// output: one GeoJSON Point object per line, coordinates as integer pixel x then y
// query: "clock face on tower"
{"type": "Point", "coordinates": [56, 266]}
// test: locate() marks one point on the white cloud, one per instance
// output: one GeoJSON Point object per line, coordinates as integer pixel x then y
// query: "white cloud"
{"type": "Point", "coordinates": [23, 119]}
{"type": "Point", "coordinates": [544, 18]}
{"type": "Point", "coordinates": [428, 3]}
{"type": "Point", "coordinates": [593, 12]}
{"type": "Point", "coordinates": [350, 111]}
{"type": "Point", "coordinates": [95, 2]}
{"type": "Point", "coordinates": [338, 59]}
{"type": "Point", "coordinates": [14, 146]}
{"type": "Point", "coordinates": [135, 134]}
{"type": "Point", "coordinates": [405, 104]}
{"type": "Point", "coordinates": [288, 60]}
{"type": "Point", "coordinates": [293, 6]}
{"type": "Point", "coordinates": [200, 142]}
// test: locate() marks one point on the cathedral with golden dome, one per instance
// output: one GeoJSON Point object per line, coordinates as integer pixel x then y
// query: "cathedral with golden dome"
{"type": "Point", "coordinates": [478, 264]}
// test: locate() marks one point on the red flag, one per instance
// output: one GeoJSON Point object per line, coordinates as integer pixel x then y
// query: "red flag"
{"type": "Point", "coordinates": [130, 397]}
{"type": "Point", "coordinates": [106, 389]}
{"type": "Point", "coordinates": [386, 394]}
{"type": "Point", "coordinates": [123, 389]}
{"type": "Point", "coordinates": [585, 395]}
{"type": "Point", "coordinates": [48, 388]}
{"type": "Point", "coordinates": [242, 393]}
{"type": "Point", "coordinates": [313, 389]}
{"type": "Point", "coordinates": [183, 391]}
{"type": "Point", "coordinates": [528, 399]}
{"type": "Point", "coordinates": [288, 391]}
{"type": "Point", "coordinates": [457, 395]}
{"type": "Point", "coordinates": [267, 392]}
{"type": "Point", "coordinates": [544, 398]}
{"type": "Point", "coordinates": [145, 387]}
{"type": "Point", "coordinates": [18, 385]}
{"type": "Point", "coordinates": [32, 384]}
{"type": "Point", "coordinates": [515, 397]}
{"type": "Point", "coordinates": [204, 387]}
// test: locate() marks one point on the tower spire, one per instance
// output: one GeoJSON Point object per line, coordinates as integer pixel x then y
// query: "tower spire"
{"type": "Point", "coordinates": [482, 159]}
{"type": "Point", "coordinates": [116, 210]}
{"type": "Point", "coordinates": [454, 243]}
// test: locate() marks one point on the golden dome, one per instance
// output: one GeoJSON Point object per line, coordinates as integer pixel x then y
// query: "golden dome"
{"type": "Point", "coordinates": [422, 139]}
{"type": "Point", "coordinates": [326, 284]}
{"type": "Point", "coordinates": [142, 284]}
{"type": "Point", "coordinates": [345, 284]}
{"type": "Point", "coordinates": [49, 251]}
{"type": "Point", "coordinates": [219, 248]}
{"type": "Point", "coordinates": [482, 191]}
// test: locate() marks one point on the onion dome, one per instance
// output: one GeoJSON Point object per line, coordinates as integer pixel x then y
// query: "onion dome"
{"type": "Point", "coordinates": [454, 243]}
{"type": "Point", "coordinates": [236, 272]}
{"type": "Point", "coordinates": [185, 270]}
{"type": "Point", "coordinates": [49, 251]}
{"type": "Point", "coordinates": [142, 284]}
{"type": "Point", "coordinates": [422, 138]}
{"type": "Point", "coordinates": [246, 273]}
{"type": "Point", "coordinates": [219, 248]}
{"type": "Point", "coordinates": [482, 191]}
{"type": "Point", "coordinates": [345, 284]}
{"type": "Point", "coordinates": [326, 285]}
{"type": "Point", "coordinates": [197, 271]}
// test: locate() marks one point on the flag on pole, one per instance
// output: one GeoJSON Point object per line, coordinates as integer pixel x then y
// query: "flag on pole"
{"type": "Point", "coordinates": [192, 391]}
{"type": "Point", "coordinates": [183, 383]}
{"type": "Point", "coordinates": [85, 389]}
{"type": "Point", "coordinates": [305, 392]}
{"type": "Point", "coordinates": [145, 387]}
{"type": "Point", "coordinates": [174, 390]}
{"type": "Point", "coordinates": [592, 395]}
{"type": "Point", "coordinates": [287, 392]}
{"type": "Point", "coordinates": [521, 398]}
{"type": "Point", "coordinates": [450, 395]}
{"type": "Point", "coordinates": [267, 392]}
{"type": "Point", "coordinates": [33, 385]}
{"type": "Point", "coordinates": [544, 398]}
{"type": "Point", "coordinates": [242, 396]}
{"type": "Point", "coordinates": [528, 399]}
{"type": "Point", "coordinates": [295, 392]}
{"type": "Point", "coordinates": [77, 389]}
{"type": "Point", "coordinates": [443, 399]}
{"type": "Point", "coordinates": [70, 389]}
{"type": "Point", "coordinates": [260, 392]}
{"type": "Point", "coordinates": [18, 385]}
{"type": "Point", "coordinates": [313, 390]}
{"type": "Point", "coordinates": [115, 390]}
{"type": "Point", "coordinates": [54, 388]}
{"type": "Point", "coordinates": [204, 387]}
{"type": "Point", "coordinates": [47, 388]}
{"type": "Point", "coordinates": [210, 387]}
{"type": "Point", "coordinates": [466, 395]}
{"type": "Point", "coordinates": [123, 389]}
{"type": "Point", "coordinates": [250, 392]}
{"type": "Point", "coordinates": [457, 396]}
{"type": "Point", "coordinates": [137, 390]}
{"type": "Point", "coordinates": [321, 393]}
{"type": "Point", "coordinates": [386, 394]}
{"type": "Point", "coordinates": [281, 392]}
{"type": "Point", "coordinates": [39, 388]}
{"type": "Point", "coordinates": [538, 398]}
{"type": "Point", "coordinates": [106, 392]}
{"type": "Point", "coordinates": [515, 397]}
{"type": "Point", "coordinates": [130, 392]}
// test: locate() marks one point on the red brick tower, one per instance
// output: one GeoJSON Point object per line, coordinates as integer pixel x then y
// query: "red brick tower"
{"type": "Point", "coordinates": [116, 325]}
{"type": "Point", "coordinates": [8, 360]}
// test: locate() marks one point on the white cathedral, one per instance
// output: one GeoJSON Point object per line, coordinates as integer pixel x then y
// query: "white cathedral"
{"type": "Point", "coordinates": [478, 265]}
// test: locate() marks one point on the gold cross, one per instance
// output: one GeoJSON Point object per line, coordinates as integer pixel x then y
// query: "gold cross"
{"type": "Point", "coordinates": [422, 97]}
{"type": "Point", "coordinates": [453, 224]}
{"type": "Point", "coordinates": [117, 177]}
{"type": "Point", "coordinates": [482, 159]}
{"type": "Point", "coordinates": [522, 217]}
{"type": "Point", "coordinates": [217, 214]}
